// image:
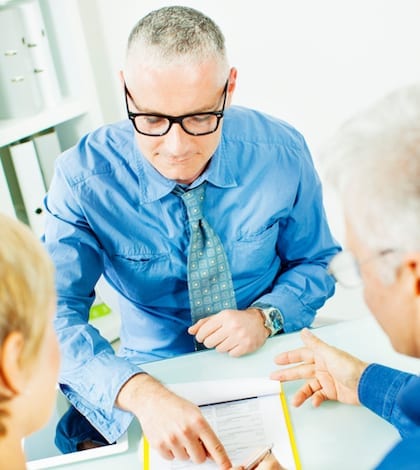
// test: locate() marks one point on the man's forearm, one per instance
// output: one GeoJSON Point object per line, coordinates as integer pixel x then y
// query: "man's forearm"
{"type": "Point", "coordinates": [136, 392]}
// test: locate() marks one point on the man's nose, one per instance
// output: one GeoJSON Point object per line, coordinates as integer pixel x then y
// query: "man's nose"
{"type": "Point", "coordinates": [176, 139]}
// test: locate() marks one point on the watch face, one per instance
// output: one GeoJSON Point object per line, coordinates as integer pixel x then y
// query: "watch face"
{"type": "Point", "coordinates": [276, 320]}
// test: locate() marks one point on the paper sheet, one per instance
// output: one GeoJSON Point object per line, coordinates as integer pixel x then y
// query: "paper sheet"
{"type": "Point", "coordinates": [215, 391]}
{"type": "Point", "coordinates": [243, 425]}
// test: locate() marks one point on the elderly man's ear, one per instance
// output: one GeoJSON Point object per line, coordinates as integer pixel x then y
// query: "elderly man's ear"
{"type": "Point", "coordinates": [411, 271]}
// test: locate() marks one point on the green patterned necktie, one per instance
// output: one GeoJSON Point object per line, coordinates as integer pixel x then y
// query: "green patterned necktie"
{"type": "Point", "coordinates": [210, 284]}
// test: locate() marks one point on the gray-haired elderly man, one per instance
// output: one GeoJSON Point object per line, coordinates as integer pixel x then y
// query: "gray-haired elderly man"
{"type": "Point", "coordinates": [206, 218]}
{"type": "Point", "coordinates": [375, 163]}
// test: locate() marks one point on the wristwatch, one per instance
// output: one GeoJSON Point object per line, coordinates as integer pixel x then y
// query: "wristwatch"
{"type": "Point", "coordinates": [273, 319]}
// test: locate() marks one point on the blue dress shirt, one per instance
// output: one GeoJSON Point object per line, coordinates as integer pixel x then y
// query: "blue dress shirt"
{"type": "Point", "coordinates": [110, 212]}
{"type": "Point", "coordinates": [395, 396]}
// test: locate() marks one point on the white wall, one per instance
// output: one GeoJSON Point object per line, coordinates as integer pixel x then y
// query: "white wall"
{"type": "Point", "coordinates": [312, 63]}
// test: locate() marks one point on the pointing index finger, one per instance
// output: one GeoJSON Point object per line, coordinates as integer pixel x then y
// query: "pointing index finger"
{"type": "Point", "coordinates": [215, 449]}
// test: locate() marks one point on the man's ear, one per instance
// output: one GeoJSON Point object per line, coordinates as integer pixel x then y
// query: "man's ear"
{"type": "Point", "coordinates": [233, 73]}
{"type": "Point", "coordinates": [412, 264]}
{"type": "Point", "coordinates": [12, 376]}
{"type": "Point", "coordinates": [122, 78]}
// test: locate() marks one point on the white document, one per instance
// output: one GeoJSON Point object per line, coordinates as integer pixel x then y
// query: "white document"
{"type": "Point", "coordinates": [255, 418]}
{"type": "Point", "coordinates": [31, 183]}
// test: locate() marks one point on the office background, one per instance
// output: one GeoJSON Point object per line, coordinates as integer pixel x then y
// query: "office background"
{"type": "Point", "coordinates": [312, 63]}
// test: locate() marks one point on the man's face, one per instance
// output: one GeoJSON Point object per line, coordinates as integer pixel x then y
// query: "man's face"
{"type": "Point", "coordinates": [176, 90]}
{"type": "Point", "coordinates": [393, 305]}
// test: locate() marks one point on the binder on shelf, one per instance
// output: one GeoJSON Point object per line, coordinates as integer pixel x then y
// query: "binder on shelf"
{"type": "Point", "coordinates": [6, 202]}
{"type": "Point", "coordinates": [12, 185]}
{"type": "Point", "coordinates": [47, 148]}
{"type": "Point", "coordinates": [31, 183]}
{"type": "Point", "coordinates": [36, 41]}
{"type": "Point", "coordinates": [18, 91]}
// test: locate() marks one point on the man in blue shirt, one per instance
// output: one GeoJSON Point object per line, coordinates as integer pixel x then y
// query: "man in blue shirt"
{"type": "Point", "coordinates": [375, 163]}
{"type": "Point", "coordinates": [112, 211]}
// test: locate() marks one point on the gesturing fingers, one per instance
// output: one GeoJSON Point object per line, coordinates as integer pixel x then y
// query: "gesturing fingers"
{"type": "Point", "coordinates": [294, 356]}
{"type": "Point", "coordinates": [310, 389]}
{"type": "Point", "coordinates": [302, 371]}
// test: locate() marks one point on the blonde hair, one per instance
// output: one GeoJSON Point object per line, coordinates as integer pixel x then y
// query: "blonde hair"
{"type": "Point", "coordinates": [26, 289]}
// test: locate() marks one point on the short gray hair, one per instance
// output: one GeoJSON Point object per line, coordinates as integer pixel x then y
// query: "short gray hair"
{"type": "Point", "coordinates": [374, 162]}
{"type": "Point", "coordinates": [178, 33]}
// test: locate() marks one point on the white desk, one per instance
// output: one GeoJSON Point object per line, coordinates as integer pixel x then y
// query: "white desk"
{"type": "Point", "coordinates": [330, 437]}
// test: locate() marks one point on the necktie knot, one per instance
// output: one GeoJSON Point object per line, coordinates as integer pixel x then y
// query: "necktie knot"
{"type": "Point", "coordinates": [193, 200]}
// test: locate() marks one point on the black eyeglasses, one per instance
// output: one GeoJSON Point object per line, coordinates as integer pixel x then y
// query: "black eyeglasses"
{"type": "Point", "coordinates": [156, 125]}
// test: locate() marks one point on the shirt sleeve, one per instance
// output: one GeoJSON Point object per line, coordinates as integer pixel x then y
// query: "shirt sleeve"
{"type": "Point", "coordinates": [404, 455]}
{"type": "Point", "coordinates": [379, 389]}
{"type": "Point", "coordinates": [91, 374]}
{"type": "Point", "coordinates": [305, 246]}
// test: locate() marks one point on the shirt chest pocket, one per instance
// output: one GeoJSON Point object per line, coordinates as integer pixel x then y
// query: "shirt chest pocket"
{"type": "Point", "coordinates": [253, 254]}
{"type": "Point", "coordinates": [142, 275]}
{"type": "Point", "coordinates": [139, 262]}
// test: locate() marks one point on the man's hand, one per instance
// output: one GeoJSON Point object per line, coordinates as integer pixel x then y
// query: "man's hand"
{"type": "Point", "coordinates": [172, 425]}
{"type": "Point", "coordinates": [332, 373]}
{"type": "Point", "coordinates": [236, 332]}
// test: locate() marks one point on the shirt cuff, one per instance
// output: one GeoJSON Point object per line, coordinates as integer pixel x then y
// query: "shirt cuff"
{"type": "Point", "coordinates": [378, 389]}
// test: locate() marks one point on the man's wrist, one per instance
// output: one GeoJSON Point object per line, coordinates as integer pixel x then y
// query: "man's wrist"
{"type": "Point", "coordinates": [273, 319]}
{"type": "Point", "coordinates": [136, 390]}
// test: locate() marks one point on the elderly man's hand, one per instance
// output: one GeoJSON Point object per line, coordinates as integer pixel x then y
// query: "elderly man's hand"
{"type": "Point", "coordinates": [331, 373]}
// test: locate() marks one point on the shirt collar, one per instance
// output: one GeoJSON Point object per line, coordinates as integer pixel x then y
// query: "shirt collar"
{"type": "Point", "coordinates": [154, 186]}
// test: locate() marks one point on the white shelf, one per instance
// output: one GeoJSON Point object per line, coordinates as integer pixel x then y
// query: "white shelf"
{"type": "Point", "coordinates": [12, 130]}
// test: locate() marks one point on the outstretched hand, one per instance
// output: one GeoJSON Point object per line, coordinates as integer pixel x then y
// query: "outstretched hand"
{"type": "Point", "coordinates": [330, 373]}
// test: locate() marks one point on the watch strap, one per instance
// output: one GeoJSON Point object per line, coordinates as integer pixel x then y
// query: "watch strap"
{"type": "Point", "coordinates": [273, 317]}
